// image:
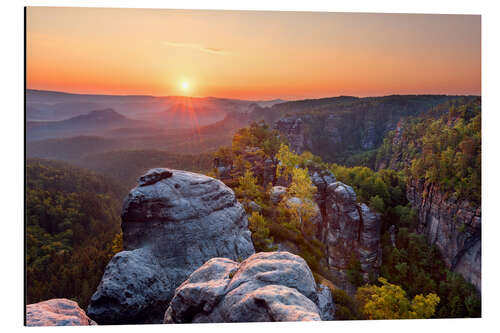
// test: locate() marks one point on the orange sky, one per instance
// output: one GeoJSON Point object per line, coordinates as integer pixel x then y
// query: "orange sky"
{"type": "Point", "coordinates": [251, 55]}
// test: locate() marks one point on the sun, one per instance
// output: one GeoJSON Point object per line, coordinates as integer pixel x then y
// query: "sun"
{"type": "Point", "coordinates": [185, 86]}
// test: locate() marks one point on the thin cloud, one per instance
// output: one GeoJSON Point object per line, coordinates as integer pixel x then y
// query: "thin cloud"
{"type": "Point", "coordinates": [198, 47]}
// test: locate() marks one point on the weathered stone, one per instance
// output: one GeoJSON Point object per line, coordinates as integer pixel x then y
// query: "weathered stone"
{"type": "Point", "coordinates": [292, 128]}
{"type": "Point", "coordinates": [326, 303]}
{"type": "Point", "coordinates": [153, 176]}
{"type": "Point", "coordinates": [453, 225]}
{"type": "Point", "coordinates": [56, 312]}
{"type": "Point", "coordinates": [255, 207]}
{"type": "Point", "coordinates": [268, 286]}
{"type": "Point", "coordinates": [277, 193]}
{"type": "Point", "coordinates": [170, 228]}
{"type": "Point", "coordinates": [350, 229]}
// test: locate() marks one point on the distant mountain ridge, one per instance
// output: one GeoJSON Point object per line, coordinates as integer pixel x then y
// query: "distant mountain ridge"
{"type": "Point", "coordinates": [86, 124]}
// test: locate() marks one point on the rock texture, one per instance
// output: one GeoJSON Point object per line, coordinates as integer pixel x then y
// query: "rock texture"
{"type": "Point", "coordinates": [277, 193]}
{"type": "Point", "coordinates": [56, 312]}
{"type": "Point", "coordinates": [326, 304]}
{"type": "Point", "coordinates": [173, 222]}
{"type": "Point", "coordinates": [268, 286]}
{"type": "Point", "coordinates": [454, 226]}
{"type": "Point", "coordinates": [306, 132]}
{"type": "Point", "coordinates": [346, 227]}
{"type": "Point", "coordinates": [293, 129]}
{"type": "Point", "coordinates": [350, 229]}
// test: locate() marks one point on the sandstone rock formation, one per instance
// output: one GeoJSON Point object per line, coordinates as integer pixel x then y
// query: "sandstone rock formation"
{"type": "Point", "coordinates": [306, 132]}
{"type": "Point", "coordinates": [350, 229]}
{"type": "Point", "coordinates": [173, 222]}
{"type": "Point", "coordinates": [293, 129]}
{"type": "Point", "coordinates": [326, 303]}
{"type": "Point", "coordinates": [346, 227]}
{"type": "Point", "coordinates": [277, 193]}
{"type": "Point", "coordinates": [268, 286]}
{"type": "Point", "coordinates": [454, 226]}
{"type": "Point", "coordinates": [56, 312]}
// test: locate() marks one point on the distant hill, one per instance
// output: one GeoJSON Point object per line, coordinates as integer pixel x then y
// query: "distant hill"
{"type": "Point", "coordinates": [54, 105]}
{"type": "Point", "coordinates": [91, 123]}
{"type": "Point", "coordinates": [270, 102]}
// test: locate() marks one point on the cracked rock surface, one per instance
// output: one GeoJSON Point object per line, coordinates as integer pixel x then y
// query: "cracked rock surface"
{"type": "Point", "coordinates": [268, 286]}
{"type": "Point", "coordinates": [172, 223]}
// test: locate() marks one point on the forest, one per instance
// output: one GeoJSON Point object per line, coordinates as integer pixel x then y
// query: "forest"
{"type": "Point", "coordinates": [73, 222]}
{"type": "Point", "coordinates": [72, 230]}
{"type": "Point", "coordinates": [409, 269]}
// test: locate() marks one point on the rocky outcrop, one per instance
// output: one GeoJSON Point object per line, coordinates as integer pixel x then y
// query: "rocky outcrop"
{"type": "Point", "coordinates": [293, 129]}
{"type": "Point", "coordinates": [332, 127]}
{"type": "Point", "coordinates": [277, 193]}
{"type": "Point", "coordinates": [56, 312]}
{"type": "Point", "coordinates": [453, 225]}
{"type": "Point", "coordinates": [172, 223]}
{"type": "Point", "coordinates": [350, 229]}
{"type": "Point", "coordinates": [268, 286]}
{"type": "Point", "coordinates": [260, 166]}
{"type": "Point", "coordinates": [346, 227]}
{"type": "Point", "coordinates": [305, 132]}
{"type": "Point", "coordinates": [325, 303]}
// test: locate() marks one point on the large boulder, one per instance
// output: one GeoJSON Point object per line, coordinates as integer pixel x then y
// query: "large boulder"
{"type": "Point", "coordinates": [56, 312]}
{"type": "Point", "coordinates": [173, 222]}
{"type": "Point", "coordinates": [268, 286]}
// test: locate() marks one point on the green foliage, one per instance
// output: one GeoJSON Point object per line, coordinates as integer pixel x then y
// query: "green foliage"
{"type": "Point", "coordinates": [125, 166]}
{"type": "Point", "coordinates": [345, 306]}
{"type": "Point", "coordinates": [418, 268]}
{"type": "Point", "coordinates": [72, 217]}
{"type": "Point", "coordinates": [288, 161]}
{"type": "Point", "coordinates": [387, 185]}
{"type": "Point", "coordinates": [258, 134]}
{"type": "Point", "coordinates": [248, 189]}
{"type": "Point", "coordinates": [303, 209]}
{"type": "Point", "coordinates": [353, 119]}
{"type": "Point", "coordinates": [260, 233]}
{"type": "Point", "coordinates": [354, 275]}
{"type": "Point", "coordinates": [442, 146]}
{"type": "Point", "coordinates": [377, 204]}
{"type": "Point", "coordinates": [389, 301]}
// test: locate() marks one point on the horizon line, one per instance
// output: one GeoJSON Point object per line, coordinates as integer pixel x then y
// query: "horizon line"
{"type": "Point", "coordinates": [240, 99]}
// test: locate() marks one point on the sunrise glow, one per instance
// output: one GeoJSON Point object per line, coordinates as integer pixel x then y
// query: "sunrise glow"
{"type": "Point", "coordinates": [185, 86]}
{"type": "Point", "coordinates": [251, 55]}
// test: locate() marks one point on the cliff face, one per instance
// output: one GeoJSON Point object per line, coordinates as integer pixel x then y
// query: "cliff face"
{"type": "Point", "coordinates": [454, 226]}
{"type": "Point", "coordinates": [173, 222]}
{"type": "Point", "coordinates": [349, 229]}
{"type": "Point", "coordinates": [346, 227]}
{"type": "Point", "coordinates": [294, 130]}
{"type": "Point", "coordinates": [330, 136]}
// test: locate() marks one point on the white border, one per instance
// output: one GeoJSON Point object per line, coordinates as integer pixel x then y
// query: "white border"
{"type": "Point", "coordinates": [11, 81]}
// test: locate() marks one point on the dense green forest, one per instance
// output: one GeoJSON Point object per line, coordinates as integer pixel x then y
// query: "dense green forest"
{"type": "Point", "coordinates": [72, 230]}
{"type": "Point", "coordinates": [125, 166]}
{"type": "Point", "coordinates": [73, 222]}
{"type": "Point", "coordinates": [443, 146]}
{"type": "Point", "coordinates": [410, 267]}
